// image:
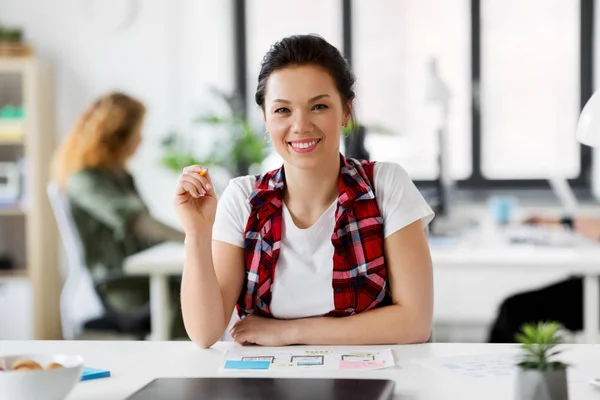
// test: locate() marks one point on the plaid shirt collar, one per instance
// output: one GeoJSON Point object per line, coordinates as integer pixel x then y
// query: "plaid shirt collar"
{"type": "Point", "coordinates": [352, 187]}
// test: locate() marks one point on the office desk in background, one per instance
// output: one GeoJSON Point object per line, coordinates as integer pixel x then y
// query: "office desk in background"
{"type": "Point", "coordinates": [159, 263]}
{"type": "Point", "coordinates": [133, 364]}
{"type": "Point", "coordinates": [564, 255]}
{"type": "Point", "coordinates": [474, 252]}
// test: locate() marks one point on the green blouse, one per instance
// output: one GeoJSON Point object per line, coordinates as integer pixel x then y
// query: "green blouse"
{"type": "Point", "coordinates": [104, 204]}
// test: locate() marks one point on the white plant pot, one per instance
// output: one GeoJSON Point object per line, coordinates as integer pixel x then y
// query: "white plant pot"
{"type": "Point", "coordinates": [532, 384]}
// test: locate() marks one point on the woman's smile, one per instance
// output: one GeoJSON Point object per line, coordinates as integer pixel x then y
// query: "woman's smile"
{"type": "Point", "coordinates": [304, 145]}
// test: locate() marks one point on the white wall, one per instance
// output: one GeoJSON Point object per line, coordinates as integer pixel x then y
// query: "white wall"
{"type": "Point", "coordinates": [168, 56]}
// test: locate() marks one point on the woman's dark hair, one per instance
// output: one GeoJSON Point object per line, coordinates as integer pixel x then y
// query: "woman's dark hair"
{"type": "Point", "coordinates": [306, 50]}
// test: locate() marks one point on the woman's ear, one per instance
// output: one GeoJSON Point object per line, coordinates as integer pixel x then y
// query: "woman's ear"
{"type": "Point", "coordinates": [348, 113]}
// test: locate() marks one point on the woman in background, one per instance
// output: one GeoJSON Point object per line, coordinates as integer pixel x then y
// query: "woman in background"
{"type": "Point", "coordinates": [112, 219]}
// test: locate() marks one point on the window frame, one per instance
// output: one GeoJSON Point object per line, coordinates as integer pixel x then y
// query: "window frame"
{"type": "Point", "coordinates": [476, 180]}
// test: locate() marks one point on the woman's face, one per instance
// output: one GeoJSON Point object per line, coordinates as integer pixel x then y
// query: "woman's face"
{"type": "Point", "coordinates": [304, 115]}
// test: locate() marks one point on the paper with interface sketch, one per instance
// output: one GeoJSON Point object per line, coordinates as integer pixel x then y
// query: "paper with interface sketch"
{"type": "Point", "coordinates": [268, 359]}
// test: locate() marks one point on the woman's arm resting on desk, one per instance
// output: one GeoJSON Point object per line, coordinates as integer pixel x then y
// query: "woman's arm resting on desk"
{"type": "Point", "coordinates": [585, 226]}
{"type": "Point", "coordinates": [407, 320]}
{"type": "Point", "coordinates": [588, 227]}
{"type": "Point", "coordinates": [208, 294]}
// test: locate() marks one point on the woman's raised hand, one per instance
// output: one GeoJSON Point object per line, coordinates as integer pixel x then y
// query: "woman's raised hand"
{"type": "Point", "coordinates": [195, 200]}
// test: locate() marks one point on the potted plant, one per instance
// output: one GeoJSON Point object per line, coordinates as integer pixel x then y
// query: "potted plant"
{"type": "Point", "coordinates": [12, 35]}
{"type": "Point", "coordinates": [241, 147]}
{"type": "Point", "coordinates": [12, 43]}
{"type": "Point", "coordinates": [539, 375]}
{"type": "Point", "coordinates": [178, 153]}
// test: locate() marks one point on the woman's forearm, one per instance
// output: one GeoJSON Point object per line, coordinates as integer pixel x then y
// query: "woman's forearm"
{"type": "Point", "coordinates": [146, 226]}
{"type": "Point", "coordinates": [393, 324]}
{"type": "Point", "coordinates": [201, 299]}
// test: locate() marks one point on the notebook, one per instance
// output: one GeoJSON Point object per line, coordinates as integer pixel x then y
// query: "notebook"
{"type": "Point", "coordinates": [265, 388]}
{"type": "Point", "coordinates": [93, 373]}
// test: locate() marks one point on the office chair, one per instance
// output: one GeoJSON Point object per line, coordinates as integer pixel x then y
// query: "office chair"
{"type": "Point", "coordinates": [82, 305]}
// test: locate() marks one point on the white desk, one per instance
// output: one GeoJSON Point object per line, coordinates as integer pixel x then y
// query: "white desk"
{"type": "Point", "coordinates": [582, 257]}
{"type": "Point", "coordinates": [474, 252]}
{"type": "Point", "coordinates": [159, 263]}
{"type": "Point", "coordinates": [133, 364]}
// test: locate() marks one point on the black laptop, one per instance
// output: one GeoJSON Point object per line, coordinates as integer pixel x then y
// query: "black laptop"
{"type": "Point", "coordinates": [265, 388]}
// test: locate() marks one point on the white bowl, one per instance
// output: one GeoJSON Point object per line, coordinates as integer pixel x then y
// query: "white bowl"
{"type": "Point", "coordinates": [54, 384]}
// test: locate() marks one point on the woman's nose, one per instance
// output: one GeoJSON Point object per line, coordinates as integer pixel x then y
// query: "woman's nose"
{"type": "Point", "coordinates": [301, 123]}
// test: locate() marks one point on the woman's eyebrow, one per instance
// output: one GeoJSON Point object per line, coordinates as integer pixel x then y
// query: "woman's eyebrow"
{"type": "Point", "coordinates": [312, 100]}
{"type": "Point", "coordinates": [318, 97]}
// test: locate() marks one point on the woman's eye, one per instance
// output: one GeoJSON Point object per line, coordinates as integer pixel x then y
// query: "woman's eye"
{"type": "Point", "coordinates": [281, 110]}
{"type": "Point", "coordinates": [320, 107]}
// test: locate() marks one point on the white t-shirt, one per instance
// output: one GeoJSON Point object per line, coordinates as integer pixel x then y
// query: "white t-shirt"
{"type": "Point", "coordinates": [302, 286]}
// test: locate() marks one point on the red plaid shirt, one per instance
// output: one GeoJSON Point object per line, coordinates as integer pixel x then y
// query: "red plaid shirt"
{"type": "Point", "coordinates": [359, 271]}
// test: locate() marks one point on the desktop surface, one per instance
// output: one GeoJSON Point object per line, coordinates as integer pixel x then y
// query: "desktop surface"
{"type": "Point", "coordinates": [417, 374]}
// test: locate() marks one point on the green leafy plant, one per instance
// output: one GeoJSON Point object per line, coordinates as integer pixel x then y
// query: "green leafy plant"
{"type": "Point", "coordinates": [539, 346]}
{"type": "Point", "coordinates": [241, 147]}
{"type": "Point", "coordinates": [14, 35]}
{"type": "Point", "coordinates": [177, 153]}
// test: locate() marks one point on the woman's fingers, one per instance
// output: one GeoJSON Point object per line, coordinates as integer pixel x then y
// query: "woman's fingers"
{"type": "Point", "coordinates": [235, 334]}
{"type": "Point", "coordinates": [200, 169]}
{"type": "Point", "coordinates": [241, 334]}
{"type": "Point", "coordinates": [235, 329]}
{"type": "Point", "coordinates": [199, 181]}
{"type": "Point", "coordinates": [195, 180]}
{"type": "Point", "coordinates": [203, 181]}
{"type": "Point", "coordinates": [241, 337]}
{"type": "Point", "coordinates": [188, 184]}
{"type": "Point", "coordinates": [197, 169]}
{"type": "Point", "coordinates": [201, 173]}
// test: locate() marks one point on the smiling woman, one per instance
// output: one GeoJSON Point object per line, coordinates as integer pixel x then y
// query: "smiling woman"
{"type": "Point", "coordinates": [323, 250]}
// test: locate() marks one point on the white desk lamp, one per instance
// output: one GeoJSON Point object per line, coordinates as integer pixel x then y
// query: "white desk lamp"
{"type": "Point", "coordinates": [588, 125]}
{"type": "Point", "coordinates": [438, 92]}
{"type": "Point", "coordinates": [588, 133]}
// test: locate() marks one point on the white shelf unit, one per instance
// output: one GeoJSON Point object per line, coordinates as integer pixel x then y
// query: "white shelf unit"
{"type": "Point", "coordinates": [28, 229]}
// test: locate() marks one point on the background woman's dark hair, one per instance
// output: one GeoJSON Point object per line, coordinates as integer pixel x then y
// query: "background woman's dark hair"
{"type": "Point", "coordinates": [306, 50]}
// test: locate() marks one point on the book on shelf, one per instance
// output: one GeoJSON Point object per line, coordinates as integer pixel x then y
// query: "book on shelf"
{"type": "Point", "coordinates": [11, 129]}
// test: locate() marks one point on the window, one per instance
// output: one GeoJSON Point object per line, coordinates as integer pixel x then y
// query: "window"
{"type": "Point", "coordinates": [530, 88]}
{"type": "Point", "coordinates": [393, 44]}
